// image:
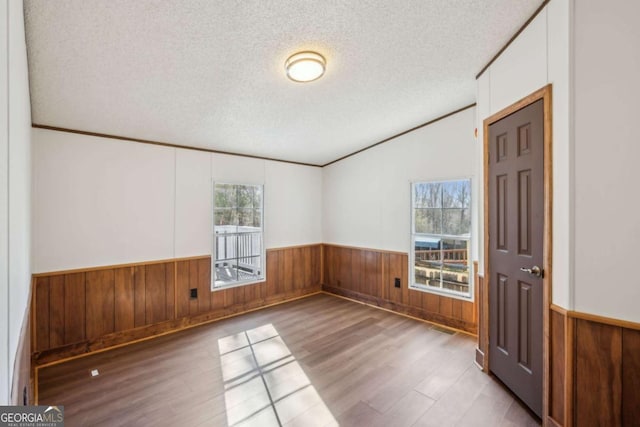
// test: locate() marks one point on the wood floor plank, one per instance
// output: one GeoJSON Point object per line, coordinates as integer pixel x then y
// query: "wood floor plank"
{"type": "Point", "coordinates": [440, 380]}
{"type": "Point", "coordinates": [360, 414]}
{"type": "Point", "coordinates": [317, 361]}
{"type": "Point", "coordinates": [406, 411]}
{"type": "Point", "coordinates": [316, 416]}
{"type": "Point", "coordinates": [452, 405]}
{"type": "Point", "coordinates": [488, 409]}
{"type": "Point", "coordinates": [518, 416]}
{"type": "Point", "coordinates": [386, 396]}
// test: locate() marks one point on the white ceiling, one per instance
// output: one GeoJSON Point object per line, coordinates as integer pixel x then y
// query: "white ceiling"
{"type": "Point", "coordinates": [210, 73]}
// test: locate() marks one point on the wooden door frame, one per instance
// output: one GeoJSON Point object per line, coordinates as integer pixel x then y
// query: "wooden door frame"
{"type": "Point", "coordinates": [544, 94]}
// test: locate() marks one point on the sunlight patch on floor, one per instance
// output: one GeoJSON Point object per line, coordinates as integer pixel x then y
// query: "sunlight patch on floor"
{"type": "Point", "coordinates": [265, 385]}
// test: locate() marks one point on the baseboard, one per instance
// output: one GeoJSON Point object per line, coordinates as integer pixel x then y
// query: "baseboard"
{"type": "Point", "coordinates": [479, 359]}
{"type": "Point", "coordinates": [552, 422]}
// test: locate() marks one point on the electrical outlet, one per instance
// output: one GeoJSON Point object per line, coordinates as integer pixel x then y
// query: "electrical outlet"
{"type": "Point", "coordinates": [397, 282]}
{"type": "Point", "coordinates": [194, 293]}
{"type": "Point", "coordinates": [94, 373]}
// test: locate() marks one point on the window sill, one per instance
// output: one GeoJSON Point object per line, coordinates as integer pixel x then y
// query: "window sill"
{"type": "Point", "coordinates": [215, 288]}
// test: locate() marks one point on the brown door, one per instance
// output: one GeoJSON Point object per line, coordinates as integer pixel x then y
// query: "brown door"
{"type": "Point", "coordinates": [516, 221]}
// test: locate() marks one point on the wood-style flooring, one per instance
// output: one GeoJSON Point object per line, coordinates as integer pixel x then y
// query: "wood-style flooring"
{"type": "Point", "coordinates": [317, 361]}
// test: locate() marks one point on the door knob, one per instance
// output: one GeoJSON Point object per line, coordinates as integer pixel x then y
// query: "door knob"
{"type": "Point", "coordinates": [534, 271]}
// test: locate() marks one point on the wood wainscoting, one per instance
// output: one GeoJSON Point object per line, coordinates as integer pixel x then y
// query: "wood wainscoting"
{"type": "Point", "coordinates": [368, 275]}
{"type": "Point", "coordinates": [22, 390]}
{"type": "Point", "coordinates": [594, 370]}
{"type": "Point", "coordinates": [83, 311]}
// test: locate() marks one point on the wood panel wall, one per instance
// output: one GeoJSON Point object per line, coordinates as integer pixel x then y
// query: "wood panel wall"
{"type": "Point", "coordinates": [594, 370]}
{"type": "Point", "coordinates": [22, 386]}
{"type": "Point", "coordinates": [557, 371]}
{"type": "Point", "coordinates": [82, 311]}
{"type": "Point", "coordinates": [368, 275]}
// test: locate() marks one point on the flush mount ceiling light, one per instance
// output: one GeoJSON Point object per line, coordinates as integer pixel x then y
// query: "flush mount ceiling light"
{"type": "Point", "coordinates": [305, 66]}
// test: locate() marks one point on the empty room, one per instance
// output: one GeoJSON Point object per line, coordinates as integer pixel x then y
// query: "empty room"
{"type": "Point", "coordinates": [306, 213]}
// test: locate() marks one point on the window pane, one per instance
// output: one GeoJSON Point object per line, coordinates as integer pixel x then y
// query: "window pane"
{"type": "Point", "coordinates": [427, 275]}
{"type": "Point", "coordinates": [435, 278]}
{"type": "Point", "coordinates": [225, 216]}
{"type": "Point", "coordinates": [456, 194]}
{"type": "Point", "coordinates": [256, 197]}
{"type": "Point", "coordinates": [225, 245]}
{"type": "Point", "coordinates": [428, 194]}
{"type": "Point", "coordinates": [456, 222]}
{"type": "Point", "coordinates": [249, 217]}
{"type": "Point", "coordinates": [427, 245]}
{"type": "Point", "coordinates": [251, 266]}
{"type": "Point", "coordinates": [226, 272]}
{"type": "Point", "coordinates": [427, 261]}
{"type": "Point", "coordinates": [455, 265]}
{"type": "Point", "coordinates": [248, 196]}
{"type": "Point", "coordinates": [428, 220]}
{"type": "Point", "coordinates": [225, 196]}
{"type": "Point", "coordinates": [248, 243]}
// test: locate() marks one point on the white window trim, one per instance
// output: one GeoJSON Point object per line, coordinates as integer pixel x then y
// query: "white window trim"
{"type": "Point", "coordinates": [263, 252]}
{"type": "Point", "coordinates": [412, 234]}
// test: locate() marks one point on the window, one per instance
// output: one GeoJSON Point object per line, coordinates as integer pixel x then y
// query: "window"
{"type": "Point", "coordinates": [238, 250]}
{"type": "Point", "coordinates": [441, 232]}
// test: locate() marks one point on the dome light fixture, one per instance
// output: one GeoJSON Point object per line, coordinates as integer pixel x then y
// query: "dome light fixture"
{"type": "Point", "coordinates": [305, 66]}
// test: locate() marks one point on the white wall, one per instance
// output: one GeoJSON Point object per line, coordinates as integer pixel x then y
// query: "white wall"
{"type": "Point", "coordinates": [15, 193]}
{"type": "Point", "coordinates": [194, 202]}
{"type": "Point", "coordinates": [101, 201]}
{"type": "Point", "coordinates": [367, 197]}
{"type": "Point", "coordinates": [540, 55]}
{"type": "Point", "coordinates": [293, 204]}
{"type": "Point", "coordinates": [607, 151]}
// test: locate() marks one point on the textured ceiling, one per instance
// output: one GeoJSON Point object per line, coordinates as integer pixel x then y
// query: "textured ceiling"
{"type": "Point", "coordinates": [210, 74]}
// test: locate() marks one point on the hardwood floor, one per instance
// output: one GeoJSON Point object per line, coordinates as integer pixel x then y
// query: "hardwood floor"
{"type": "Point", "coordinates": [317, 361]}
